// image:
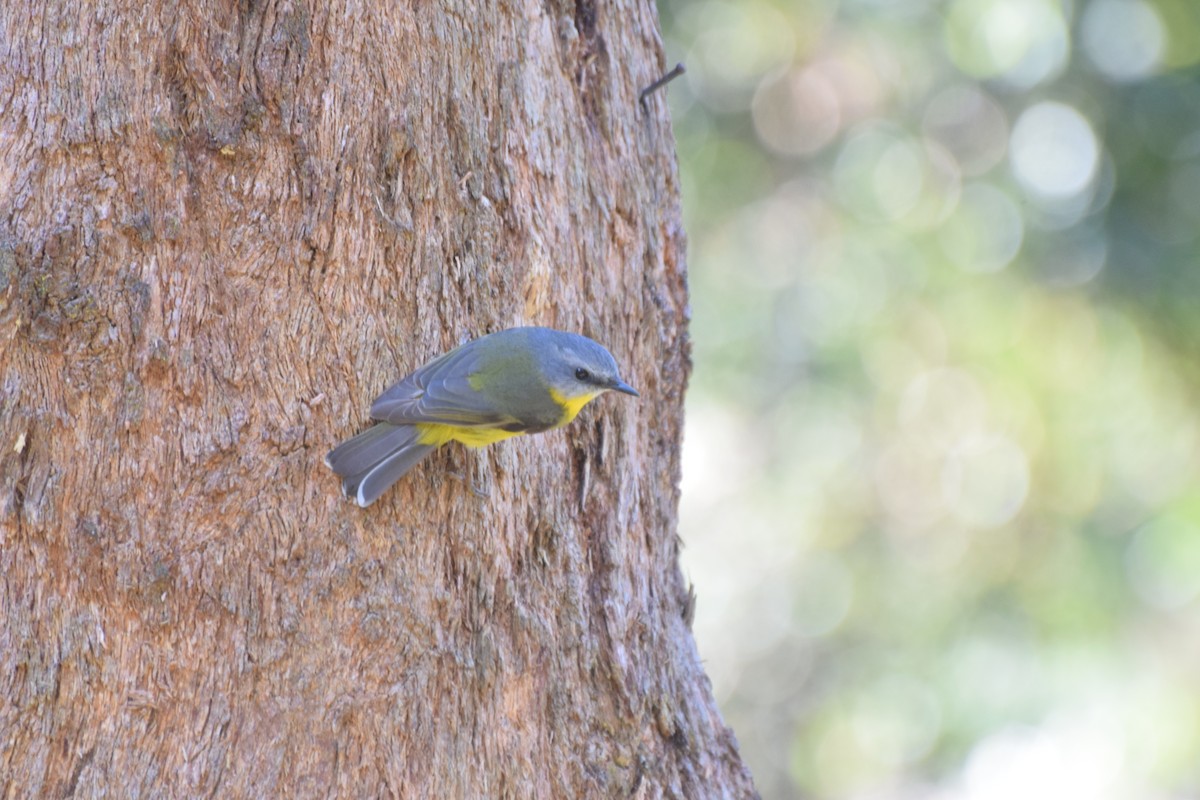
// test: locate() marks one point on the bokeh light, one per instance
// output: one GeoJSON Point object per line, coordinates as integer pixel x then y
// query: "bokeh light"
{"type": "Point", "coordinates": [1054, 151]}
{"type": "Point", "coordinates": [985, 232]}
{"type": "Point", "coordinates": [1020, 42]}
{"type": "Point", "coordinates": [940, 495]}
{"type": "Point", "coordinates": [796, 111]}
{"type": "Point", "coordinates": [1125, 39]}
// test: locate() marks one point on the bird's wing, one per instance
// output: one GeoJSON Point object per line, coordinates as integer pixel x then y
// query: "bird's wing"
{"type": "Point", "coordinates": [441, 392]}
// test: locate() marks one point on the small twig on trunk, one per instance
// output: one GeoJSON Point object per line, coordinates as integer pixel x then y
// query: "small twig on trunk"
{"type": "Point", "coordinates": [661, 82]}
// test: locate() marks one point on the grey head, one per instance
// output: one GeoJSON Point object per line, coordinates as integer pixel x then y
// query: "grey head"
{"type": "Point", "coordinates": [574, 365]}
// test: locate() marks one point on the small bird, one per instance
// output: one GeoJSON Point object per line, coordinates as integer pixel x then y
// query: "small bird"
{"type": "Point", "coordinates": [517, 381]}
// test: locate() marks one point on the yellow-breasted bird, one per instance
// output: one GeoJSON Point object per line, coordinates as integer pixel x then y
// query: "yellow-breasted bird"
{"type": "Point", "coordinates": [522, 380]}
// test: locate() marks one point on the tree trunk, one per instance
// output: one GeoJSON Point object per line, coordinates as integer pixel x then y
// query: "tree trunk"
{"type": "Point", "coordinates": [224, 229]}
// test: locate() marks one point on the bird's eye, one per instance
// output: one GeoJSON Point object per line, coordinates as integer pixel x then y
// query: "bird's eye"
{"type": "Point", "coordinates": [582, 374]}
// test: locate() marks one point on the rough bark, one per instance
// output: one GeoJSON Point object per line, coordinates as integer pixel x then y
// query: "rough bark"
{"type": "Point", "coordinates": [224, 228]}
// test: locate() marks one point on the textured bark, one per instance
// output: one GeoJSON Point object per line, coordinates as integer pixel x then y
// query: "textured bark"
{"type": "Point", "coordinates": [224, 228]}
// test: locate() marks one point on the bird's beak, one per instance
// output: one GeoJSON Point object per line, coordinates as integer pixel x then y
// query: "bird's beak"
{"type": "Point", "coordinates": [624, 388]}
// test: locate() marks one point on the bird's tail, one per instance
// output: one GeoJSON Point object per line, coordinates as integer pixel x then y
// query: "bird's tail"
{"type": "Point", "coordinates": [375, 459]}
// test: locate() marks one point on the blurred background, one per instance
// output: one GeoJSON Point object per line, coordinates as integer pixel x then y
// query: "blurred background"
{"type": "Point", "coordinates": [941, 500]}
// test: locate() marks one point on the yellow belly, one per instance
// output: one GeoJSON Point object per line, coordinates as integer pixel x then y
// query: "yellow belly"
{"type": "Point", "coordinates": [438, 435]}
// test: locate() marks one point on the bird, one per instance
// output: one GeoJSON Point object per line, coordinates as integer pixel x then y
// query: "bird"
{"type": "Point", "coordinates": [509, 383]}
